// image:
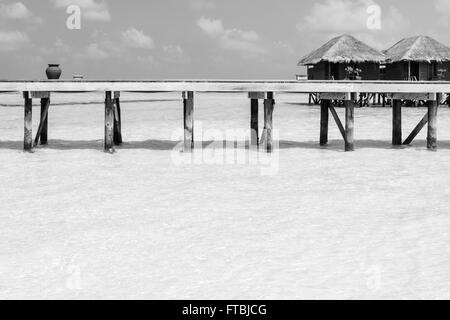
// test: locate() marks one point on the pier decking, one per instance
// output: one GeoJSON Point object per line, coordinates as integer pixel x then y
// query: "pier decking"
{"type": "Point", "coordinates": [345, 91]}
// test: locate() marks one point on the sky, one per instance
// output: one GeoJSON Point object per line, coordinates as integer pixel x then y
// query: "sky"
{"type": "Point", "coordinates": [197, 39]}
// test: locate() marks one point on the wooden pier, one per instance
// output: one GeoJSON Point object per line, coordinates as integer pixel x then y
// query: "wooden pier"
{"type": "Point", "coordinates": [345, 91]}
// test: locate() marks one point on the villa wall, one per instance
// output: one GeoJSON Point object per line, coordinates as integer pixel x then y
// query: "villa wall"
{"type": "Point", "coordinates": [370, 71]}
{"type": "Point", "coordinates": [398, 71]}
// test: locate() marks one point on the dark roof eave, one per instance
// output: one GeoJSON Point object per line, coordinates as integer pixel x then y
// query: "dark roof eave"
{"type": "Point", "coordinates": [390, 61]}
{"type": "Point", "coordinates": [346, 61]}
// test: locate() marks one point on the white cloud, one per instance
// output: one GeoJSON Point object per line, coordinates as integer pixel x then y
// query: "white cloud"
{"type": "Point", "coordinates": [174, 54]}
{"type": "Point", "coordinates": [12, 40]}
{"type": "Point", "coordinates": [347, 16]}
{"type": "Point", "coordinates": [337, 16]}
{"type": "Point", "coordinates": [231, 39]}
{"type": "Point", "coordinates": [95, 10]}
{"type": "Point", "coordinates": [202, 4]}
{"type": "Point", "coordinates": [173, 50]}
{"type": "Point", "coordinates": [102, 46]}
{"type": "Point", "coordinates": [330, 18]}
{"type": "Point", "coordinates": [442, 6]}
{"type": "Point", "coordinates": [15, 10]}
{"type": "Point", "coordinates": [211, 27]}
{"type": "Point", "coordinates": [135, 38]}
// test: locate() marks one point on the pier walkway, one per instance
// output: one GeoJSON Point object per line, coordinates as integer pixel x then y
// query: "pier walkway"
{"type": "Point", "coordinates": [328, 91]}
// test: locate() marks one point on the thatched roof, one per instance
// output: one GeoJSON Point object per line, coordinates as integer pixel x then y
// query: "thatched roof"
{"type": "Point", "coordinates": [343, 49]}
{"type": "Point", "coordinates": [418, 49]}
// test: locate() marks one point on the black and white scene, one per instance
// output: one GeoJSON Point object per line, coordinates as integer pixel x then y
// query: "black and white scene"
{"type": "Point", "coordinates": [224, 150]}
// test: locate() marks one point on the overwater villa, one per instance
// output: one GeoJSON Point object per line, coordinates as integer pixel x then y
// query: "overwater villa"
{"type": "Point", "coordinates": [418, 58]}
{"type": "Point", "coordinates": [343, 57]}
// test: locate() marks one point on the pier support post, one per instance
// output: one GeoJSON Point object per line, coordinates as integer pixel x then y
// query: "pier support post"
{"type": "Point", "coordinates": [396, 122]}
{"type": "Point", "coordinates": [416, 130]}
{"type": "Point", "coordinates": [254, 128]}
{"type": "Point", "coordinates": [349, 123]}
{"type": "Point", "coordinates": [28, 122]}
{"type": "Point", "coordinates": [109, 123]}
{"type": "Point", "coordinates": [188, 112]}
{"type": "Point", "coordinates": [324, 116]}
{"type": "Point", "coordinates": [269, 103]}
{"type": "Point", "coordinates": [432, 123]}
{"type": "Point", "coordinates": [43, 136]}
{"type": "Point", "coordinates": [117, 120]}
{"type": "Point", "coordinates": [42, 132]}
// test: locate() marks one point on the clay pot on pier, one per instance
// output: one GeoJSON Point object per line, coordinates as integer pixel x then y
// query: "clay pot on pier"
{"type": "Point", "coordinates": [53, 72]}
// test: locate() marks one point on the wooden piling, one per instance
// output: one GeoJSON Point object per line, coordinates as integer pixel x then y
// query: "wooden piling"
{"type": "Point", "coordinates": [42, 131]}
{"type": "Point", "coordinates": [269, 103]}
{"type": "Point", "coordinates": [432, 123]}
{"type": "Point", "coordinates": [324, 117]}
{"type": "Point", "coordinates": [337, 120]}
{"type": "Point", "coordinates": [28, 122]}
{"type": "Point", "coordinates": [43, 134]}
{"type": "Point", "coordinates": [188, 111]}
{"type": "Point", "coordinates": [396, 122]}
{"type": "Point", "coordinates": [416, 130]}
{"type": "Point", "coordinates": [349, 123]}
{"type": "Point", "coordinates": [117, 120]}
{"type": "Point", "coordinates": [254, 130]}
{"type": "Point", "coordinates": [109, 123]}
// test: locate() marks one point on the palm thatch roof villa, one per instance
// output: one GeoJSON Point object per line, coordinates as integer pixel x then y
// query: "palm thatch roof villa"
{"type": "Point", "coordinates": [418, 58]}
{"type": "Point", "coordinates": [330, 61]}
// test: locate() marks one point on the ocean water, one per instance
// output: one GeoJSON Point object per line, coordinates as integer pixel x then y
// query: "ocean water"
{"type": "Point", "coordinates": [151, 222]}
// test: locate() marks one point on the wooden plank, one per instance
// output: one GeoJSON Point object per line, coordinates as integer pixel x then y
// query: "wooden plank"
{"type": "Point", "coordinates": [396, 122]}
{"type": "Point", "coordinates": [117, 136]}
{"type": "Point", "coordinates": [306, 86]}
{"type": "Point", "coordinates": [42, 133]}
{"type": "Point", "coordinates": [335, 96]}
{"type": "Point", "coordinates": [268, 122]}
{"type": "Point", "coordinates": [324, 115]}
{"type": "Point", "coordinates": [338, 121]}
{"type": "Point", "coordinates": [254, 127]}
{"type": "Point", "coordinates": [349, 125]}
{"type": "Point", "coordinates": [109, 123]}
{"type": "Point", "coordinates": [412, 96]}
{"type": "Point", "coordinates": [28, 122]}
{"type": "Point", "coordinates": [188, 114]}
{"type": "Point", "coordinates": [416, 130]}
{"type": "Point", "coordinates": [257, 95]}
{"type": "Point", "coordinates": [40, 94]}
{"type": "Point", "coordinates": [432, 123]}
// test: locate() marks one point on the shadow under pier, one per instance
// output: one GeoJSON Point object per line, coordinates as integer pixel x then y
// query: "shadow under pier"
{"type": "Point", "coordinates": [167, 145]}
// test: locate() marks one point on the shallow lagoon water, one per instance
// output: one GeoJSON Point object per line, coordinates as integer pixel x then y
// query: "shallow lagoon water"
{"type": "Point", "coordinates": [80, 223]}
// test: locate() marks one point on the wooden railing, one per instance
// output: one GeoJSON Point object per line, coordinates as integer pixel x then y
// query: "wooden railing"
{"type": "Point", "coordinates": [304, 86]}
